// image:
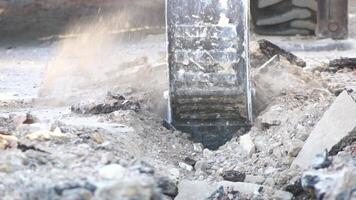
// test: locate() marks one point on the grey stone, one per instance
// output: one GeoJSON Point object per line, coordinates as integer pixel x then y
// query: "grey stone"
{"type": "Point", "coordinates": [208, 154]}
{"type": "Point", "coordinates": [321, 160]}
{"type": "Point", "coordinates": [336, 123]}
{"type": "Point", "coordinates": [233, 176]}
{"type": "Point", "coordinates": [270, 118]}
{"type": "Point", "coordinates": [294, 148]}
{"type": "Point", "coordinates": [167, 186]}
{"type": "Point", "coordinates": [254, 179]}
{"type": "Point", "coordinates": [270, 182]}
{"type": "Point", "coordinates": [247, 144]}
{"type": "Point", "coordinates": [201, 166]}
{"type": "Point", "coordinates": [185, 166]}
{"type": "Point", "coordinates": [198, 147]}
{"type": "Point", "coordinates": [190, 161]}
{"type": "Point", "coordinates": [194, 190]}
{"type": "Point", "coordinates": [107, 106]}
{"type": "Point", "coordinates": [112, 171]}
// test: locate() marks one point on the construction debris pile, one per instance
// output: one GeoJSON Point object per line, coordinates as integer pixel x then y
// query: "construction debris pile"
{"type": "Point", "coordinates": [116, 148]}
{"type": "Point", "coordinates": [83, 115]}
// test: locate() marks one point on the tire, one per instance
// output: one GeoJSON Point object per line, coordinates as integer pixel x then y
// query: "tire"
{"type": "Point", "coordinates": [284, 17]}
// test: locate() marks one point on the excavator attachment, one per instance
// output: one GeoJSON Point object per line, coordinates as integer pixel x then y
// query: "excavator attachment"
{"type": "Point", "coordinates": [333, 19]}
{"type": "Point", "coordinates": [210, 95]}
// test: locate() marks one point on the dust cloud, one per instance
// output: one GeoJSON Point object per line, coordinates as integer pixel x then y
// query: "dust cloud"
{"type": "Point", "coordinates": [103, 55]}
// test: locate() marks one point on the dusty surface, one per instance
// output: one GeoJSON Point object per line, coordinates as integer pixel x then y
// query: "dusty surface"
{"type": "Point", "coordinates": [60, 147]}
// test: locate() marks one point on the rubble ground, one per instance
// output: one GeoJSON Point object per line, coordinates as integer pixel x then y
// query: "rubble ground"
{"type": "Point", "coordinates": [79, 138]}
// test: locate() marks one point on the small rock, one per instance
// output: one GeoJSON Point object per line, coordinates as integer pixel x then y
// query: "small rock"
{"type": "Point", "coordinates": [174, 173]}
{"type": "Point", "coordinates": [167, 186]}
{"type": "Point", "coordinates": [254, 179]}
{"type": "Point", "coordinates": [194, 190]}
{"type": "Point", "coordinates": [234, 176]}
{"type": "Point", "coordinates": [295, 147]}
{"type": "Point", "coordinates": [321, 160]}
{"type": "Point", "coordinates": [112, 171]}
{"type": "Point", "coordinates": [201, 166]}
{"type": "Point", "coordinates": [97, 138]}
{"type": "Point", "coordinates": [8, 141]}
{"type": "Point", "coordinates": [270, 118]}
{"type": "Point", "coordinates": [43, 135]}
{"type": "Point", "coordinates": [107, 106]}
{"type": "Point", "coordinates": [270, 170]}
{"type": "Point", "coordinates": [270, 182]}
{"type": "Point", "coordinates": [190, 161]}
{"type": "Point", "coordinates": [185, 166]}
{"type": "Point", "coordinates": [143, 168]}
{"type": "Point", "coordinates": [198, 147]}
{"type": "Point", "coordinates": [208, 154]}
{"type": "Point", "coordinates": [30, 119]}
{"type": "Point", "coordinates": [247, 144]}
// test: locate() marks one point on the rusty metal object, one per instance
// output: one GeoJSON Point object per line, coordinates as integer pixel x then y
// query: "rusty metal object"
{"type": "Point", "coordinates": [208, 68]}
{"type": "Point", "coordinates": [332, 19]}
{"type": "Point", "coordinates": [270, 50]}
{"type": "Point", "coordinates": [340, 63]}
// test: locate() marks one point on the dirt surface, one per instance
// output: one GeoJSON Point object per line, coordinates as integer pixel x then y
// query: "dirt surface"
{"type": "Point", "coordinates": [47, 146]}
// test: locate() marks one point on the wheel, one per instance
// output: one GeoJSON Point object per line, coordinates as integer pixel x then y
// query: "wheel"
{"type": "Point", "coordinates": [284, 17]}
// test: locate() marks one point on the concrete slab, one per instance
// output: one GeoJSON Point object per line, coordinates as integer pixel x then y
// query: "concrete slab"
{"type": "Point", "coordinates": [337, 122]}
{"type": "Point", "coordinates": [201, 190]}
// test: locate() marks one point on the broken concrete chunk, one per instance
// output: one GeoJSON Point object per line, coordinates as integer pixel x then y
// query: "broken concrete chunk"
{"type": "Point", "coordinates": [270, 118]}
{"type": "Point", "coordinates": [198, 147]}
{"type": "Point", "coordinates": [8, 141]}
{"type": "Point", "coordinates": [112, 104]}
{"type": "Point", "coordinates": [202, 166]}
{"type": "Point", "coordinates": [43, 135]}
{"type": "Point", "coordinates": [336, 123]}
{"type": "Point", "coordinates": [185, 166]}
{"type": "Point", "coordinates": [194, 190]}
{"type": "Point", "coordinates": [270, 50]}
{"type": "Point", "coordinates": [112, 171]}
{"type": "Point", "coordinates": [167, 186]}
{"type": "Point", "coordinates": [254, 179]}
{"type": "Point", "coordinates": [208, 154]}
{"type": "Point", "coordinates": [97, 138]}
{"type": "Point", "coordinates": [247, 144]}
{"type": "Point", "coordinates": [295, 146]}
{"type": "Point", "coordinates": [133, 187]}
{"type": "Point", "coordinates": [200, 190]}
